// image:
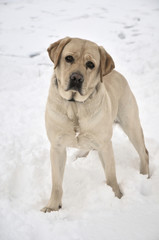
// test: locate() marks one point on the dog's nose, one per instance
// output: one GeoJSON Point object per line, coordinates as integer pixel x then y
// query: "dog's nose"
{"type": "Point", "coordinates": [76, 80]}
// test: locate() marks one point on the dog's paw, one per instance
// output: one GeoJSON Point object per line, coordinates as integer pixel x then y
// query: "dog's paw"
{"type": "Point", "coordinates": [50, 209]}
{"type": "Point", "coordinates": [116, 190]}
{"type": "Point", "coordinates": [145, 170]}
{"type": "Point", "coordinates": [118, 194]}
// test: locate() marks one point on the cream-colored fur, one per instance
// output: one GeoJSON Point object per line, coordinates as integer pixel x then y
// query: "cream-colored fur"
{"type": "Point", "coordinates": [87, 122]}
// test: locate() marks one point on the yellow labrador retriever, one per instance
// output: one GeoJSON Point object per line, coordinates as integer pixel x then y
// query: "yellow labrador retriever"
{"type": "Point", "coordinates": [86, 96]}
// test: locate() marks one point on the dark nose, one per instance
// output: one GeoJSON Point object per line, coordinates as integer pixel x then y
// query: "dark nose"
{"type": "Point", "coordinates": [76, 80]}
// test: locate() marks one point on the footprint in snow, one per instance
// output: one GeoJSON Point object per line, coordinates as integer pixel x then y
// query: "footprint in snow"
{"type": "Point", "coordinates": [121, 35]}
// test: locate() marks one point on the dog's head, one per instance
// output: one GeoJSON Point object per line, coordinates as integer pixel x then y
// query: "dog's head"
{"type": "Point", "coordinates": [79, 66]}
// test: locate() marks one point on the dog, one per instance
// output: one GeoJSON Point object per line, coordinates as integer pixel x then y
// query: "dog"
{"type": "Point", "coordinates": [86, 97]}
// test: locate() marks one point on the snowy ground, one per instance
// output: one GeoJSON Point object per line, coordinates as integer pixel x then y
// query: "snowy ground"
{"type": "Point", "coordinates": [129, 30]}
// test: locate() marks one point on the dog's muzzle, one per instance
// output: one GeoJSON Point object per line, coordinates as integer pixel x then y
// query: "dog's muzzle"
{"type": "Point", "coordinates": [76, 81]}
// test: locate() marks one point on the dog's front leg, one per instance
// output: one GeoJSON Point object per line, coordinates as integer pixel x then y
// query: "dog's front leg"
{"type": "Point", "coordinates": [107, 158]}
{"type": "Point", "coordinates": [58, 160]}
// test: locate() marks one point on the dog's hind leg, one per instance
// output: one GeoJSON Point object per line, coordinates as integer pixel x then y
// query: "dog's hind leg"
{"type": "Point", "coordinates": [128, 116]}
{"type": "Point", "coordinates": [107, 159]}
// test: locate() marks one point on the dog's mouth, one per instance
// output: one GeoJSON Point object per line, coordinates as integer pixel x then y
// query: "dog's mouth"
{"type": "Point", "coordinates": [73, 93]}
{"type": "Point", "coordinates": [74, 90]}
{"type": "Point", "coordinates": [72, 99]}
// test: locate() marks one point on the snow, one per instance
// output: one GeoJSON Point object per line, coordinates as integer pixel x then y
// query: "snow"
{"type": "Point", "coordinates": [129, 32]}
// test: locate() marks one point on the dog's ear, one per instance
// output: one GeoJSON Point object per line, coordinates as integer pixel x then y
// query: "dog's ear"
{"type": "Point", "coordinates": [56, 48]}
{"type": "Point", "coordinates": [106, 62]}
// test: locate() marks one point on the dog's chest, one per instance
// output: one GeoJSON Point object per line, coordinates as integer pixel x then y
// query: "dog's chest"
{"type": "Point", "coordinates": [72, 113]}
{"type": "Point", "coordinates": [85, 127]}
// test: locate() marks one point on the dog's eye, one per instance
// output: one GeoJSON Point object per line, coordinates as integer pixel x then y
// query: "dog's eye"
{"type": "Point", "coordinates": [69, 59]}
{"type": "Point", "coordinates": [90, 65]}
